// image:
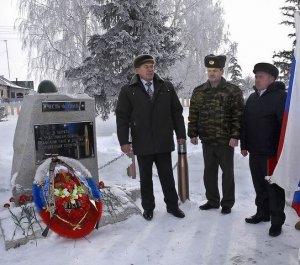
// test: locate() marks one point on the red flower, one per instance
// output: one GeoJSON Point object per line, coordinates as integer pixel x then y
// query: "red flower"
{"type": "Point", "coordinates": [6, 205]}
{"type": "Point", "coordinates": [22, 199]}
{"type": "Point", "coordinates": [70, 186]}
{"type": "Point", "coordinates": [59, 185]}
{"type": "Point", "coordinates": [101, 185]}
{"type": "Point", "coordinates": [67, 199]}
{"type": "Point", "coordinates": [21, 202]}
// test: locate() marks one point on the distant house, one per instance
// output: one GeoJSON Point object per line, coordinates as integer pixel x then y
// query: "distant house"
{"type": "Point", "coordinates": [10, 91]}
{"type": "Point", "coordinates": [27, 84]}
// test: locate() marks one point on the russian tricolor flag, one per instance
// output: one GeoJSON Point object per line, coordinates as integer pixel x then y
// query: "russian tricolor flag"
{"type": "Point", "coordinates": [286, 173]}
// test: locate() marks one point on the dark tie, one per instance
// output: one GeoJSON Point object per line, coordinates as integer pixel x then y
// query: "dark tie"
{"type": "Point", "coordinates": [149, 90]}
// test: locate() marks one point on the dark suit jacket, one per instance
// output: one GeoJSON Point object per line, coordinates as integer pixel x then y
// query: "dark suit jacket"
{"type": "Point", "coordinates": [152, 121]}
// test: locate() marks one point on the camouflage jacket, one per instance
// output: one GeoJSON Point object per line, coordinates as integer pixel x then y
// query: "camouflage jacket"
{"type": "Point", "coordinates": [215, 113]}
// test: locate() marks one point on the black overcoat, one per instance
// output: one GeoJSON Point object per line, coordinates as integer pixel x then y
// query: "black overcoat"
{"type": "Point", "coordinates": [151, 121]}
{"type": "Point", "coordinates": [262, 121]}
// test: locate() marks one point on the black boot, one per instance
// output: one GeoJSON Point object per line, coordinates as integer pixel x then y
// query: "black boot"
{"type": "Point", "coordinates": [148, 214]}
{"type": "Point", "coordinates": [176, 212]}
{"type": "Point", "coordinates": [275, 230]}
{"type": "Point", "coordinates": [207, 206]}
{"type": "Point", "coordinates": [255, 219]}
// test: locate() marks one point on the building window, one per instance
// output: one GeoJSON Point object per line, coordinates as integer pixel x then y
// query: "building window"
{"type": "Point", "coordinates": [12, 94]}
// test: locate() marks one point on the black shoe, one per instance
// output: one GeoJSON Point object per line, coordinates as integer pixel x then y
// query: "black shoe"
{"type": "Point", "coordinates": [255, 219]}
{"type": "Point", "coordinates": [207, 206]}
{"type": "Point", "coordinates": [148, 214]}
{"type": "Point", "coordinates": [225, 210]}
{"type": "Point", "coordinates": [176, 212]}
{"type": "Point", "coordinates": [275, 230]}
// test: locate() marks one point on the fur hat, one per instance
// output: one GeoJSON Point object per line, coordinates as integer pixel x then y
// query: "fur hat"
{"type": "Point", "coordinates": [142, 59]}
{"type": "Point", "coordinates": [266, 68]}
{"type": "Point", "coordinates": [213, 61]}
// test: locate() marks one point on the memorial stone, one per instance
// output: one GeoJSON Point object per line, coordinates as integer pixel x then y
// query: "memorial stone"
{"type": "Point", "coordinates": [52, 124]}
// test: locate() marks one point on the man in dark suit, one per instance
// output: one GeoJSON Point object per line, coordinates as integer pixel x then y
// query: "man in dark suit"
{"type": "Point", "coordinates": [149, 108]}
{"type": "Point", "coordinates": [260, 137]}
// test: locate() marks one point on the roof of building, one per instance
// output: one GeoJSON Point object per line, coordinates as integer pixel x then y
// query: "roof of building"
{"type": "Point", "coordinates": [5, 82]}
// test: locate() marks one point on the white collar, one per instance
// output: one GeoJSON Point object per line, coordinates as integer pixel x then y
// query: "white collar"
{"type": "Point", "coordinates": [144, 82]}
{"type": "Point", "coordinates": [262, 91]}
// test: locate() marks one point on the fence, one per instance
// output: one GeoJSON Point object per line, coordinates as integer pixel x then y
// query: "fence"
{"type": "Point", "coordinates": [12, 108]}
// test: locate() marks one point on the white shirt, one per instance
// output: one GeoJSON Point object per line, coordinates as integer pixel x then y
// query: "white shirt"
{"type": "Point", "coordinates": [145, 86]}
{"type": "Point", "coordinates": [261, 92]}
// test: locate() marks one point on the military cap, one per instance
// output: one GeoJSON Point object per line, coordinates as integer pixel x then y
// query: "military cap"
{"type": "Point", "coordinates": [266, 68]}
{"type": "Point", "coordinates": [142, 59]}
{"type": "Point", "coordinates": [215, 61]}
{"type": "Point", "coordinates": [46, 86]}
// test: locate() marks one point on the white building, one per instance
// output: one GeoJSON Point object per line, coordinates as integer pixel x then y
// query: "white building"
{"type": "Point", "coordinates": [9, 91]}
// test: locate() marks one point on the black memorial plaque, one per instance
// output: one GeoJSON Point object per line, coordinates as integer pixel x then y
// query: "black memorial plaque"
{"type": "Point", "coordinates": [75, 140]}
{"type": "Point", "coordinates": [51, 106]}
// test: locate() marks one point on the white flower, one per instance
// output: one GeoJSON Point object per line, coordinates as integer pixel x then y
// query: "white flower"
{"type": "Point", "coordinates": [57, 192]}
{"type": "Point", "coordinates": [65, 192]}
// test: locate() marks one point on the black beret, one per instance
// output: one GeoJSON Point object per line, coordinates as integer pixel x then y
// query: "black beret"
{"type": "Point", "coordinates": [46, 86]}
{"type": "Point", "coordinates": [213, 61]}
{"type": "Point", "coordinates": [266, 68]}
{"type": "Point", "coordinates": [141, 59]}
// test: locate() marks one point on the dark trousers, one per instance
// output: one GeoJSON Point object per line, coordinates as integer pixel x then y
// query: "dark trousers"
{"type": "Point", "coordinates": [258, 168]}
{"type": "Point", "coordinates": [163, 164]}
{"type": "Point", "coordinates": [270, 199]}
{"type": "Point", "coordinates": [277, 203]}
{"type": "Point", "coordinates": [215, 156]}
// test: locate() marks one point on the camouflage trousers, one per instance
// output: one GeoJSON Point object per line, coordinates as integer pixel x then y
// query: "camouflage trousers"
{"type": "Point", "coordinates": [216, 156]}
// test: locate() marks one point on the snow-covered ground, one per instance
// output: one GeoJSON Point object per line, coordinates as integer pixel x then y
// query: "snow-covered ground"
{"type": "Point", "coordinates": [202, 237]}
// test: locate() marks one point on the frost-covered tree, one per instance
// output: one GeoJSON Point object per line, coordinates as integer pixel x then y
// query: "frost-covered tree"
{"type": "Point", "coordinates": [247, 84]}
{"type": "Point", "coordinates": [131, 27]}
{"type": "Point", "coordinates": [202, 32]}
{"type": "Point", "coordinates": [283, 59]}
{"type": "Point", "coordinates": [233, 69]}
{"type": "Point", "coordinates": [55, 34]}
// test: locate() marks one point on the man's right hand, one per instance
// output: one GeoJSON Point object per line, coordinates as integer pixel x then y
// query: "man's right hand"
{"type": "Point", "coordinates": [126, 148]}
{"type": "Point", "coordinates": [194, 140]}
{"type": "Point", "coordinates": [244, 152]}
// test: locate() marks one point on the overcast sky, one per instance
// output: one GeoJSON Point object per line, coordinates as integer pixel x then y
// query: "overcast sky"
{"type": "Point", "coordinates": [254, 25]}
{"type": "Point", "coordinates": [17, 58]}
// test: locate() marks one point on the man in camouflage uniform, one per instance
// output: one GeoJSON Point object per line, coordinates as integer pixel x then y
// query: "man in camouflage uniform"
{"type": "Point", "coordinates": [215, 117]}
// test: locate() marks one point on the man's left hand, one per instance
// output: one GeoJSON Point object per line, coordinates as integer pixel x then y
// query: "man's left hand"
{"type": "Point", "coordinates": [233, 142]}
{"type": "Point", "coordinates": [180, 141]}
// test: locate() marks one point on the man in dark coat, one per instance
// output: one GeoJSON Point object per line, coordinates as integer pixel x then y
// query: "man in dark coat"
{"type": "Point", "coordinates": [149, 108]}
{"type": "Point", "coordinates": [215, 117]}
{"type": "Point", "coordinates": [260, 137]}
